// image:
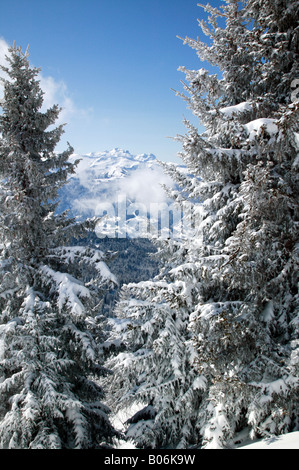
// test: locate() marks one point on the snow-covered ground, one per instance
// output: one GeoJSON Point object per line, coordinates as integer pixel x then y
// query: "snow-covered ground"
{"type": "Point", "coordinates": [285, 441]}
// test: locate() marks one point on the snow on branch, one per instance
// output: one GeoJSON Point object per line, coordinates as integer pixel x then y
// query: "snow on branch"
{"type": "Point", "coordinates": [84, 256]}
{"type": "Point", "coordinates": [69, 290]}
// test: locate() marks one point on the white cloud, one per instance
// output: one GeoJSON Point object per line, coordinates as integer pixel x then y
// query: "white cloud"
{"type": "Point", "coordinates": [112, 176]}
{"type": "Point", "coordinates": [55, 91]}
{"type": "Point", "coordinates": [145, 185]}
{"type": "Point", "coordinates": [3, 53]}
{"type": "Point", "coordinates": [3, 48]}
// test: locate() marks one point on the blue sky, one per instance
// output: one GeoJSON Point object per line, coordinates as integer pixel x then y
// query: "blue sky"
{"type": "Point", "coordinates": [111, 64]}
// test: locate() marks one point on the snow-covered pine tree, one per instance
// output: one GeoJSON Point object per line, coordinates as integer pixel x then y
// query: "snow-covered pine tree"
{"type": "Point", "coordinates": [242, 265]}
{"type": "Point", "coordinates": [154, 367]}
{"type": "Point", "coordinates": [153, 354]}
{"type": "Point", "coordinates": [50, 336]}
{"type": "Point", "coordinates": [246, 320]}
{"type": "Point", "coordinates": [159, 366]}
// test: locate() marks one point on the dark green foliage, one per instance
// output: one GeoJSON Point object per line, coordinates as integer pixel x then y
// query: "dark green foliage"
{"type": "Point", "coordinates": [50, 335]}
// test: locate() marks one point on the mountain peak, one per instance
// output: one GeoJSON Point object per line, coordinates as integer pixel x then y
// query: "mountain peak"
{"type": "Point", "coordinates": [117, 153]}
{"type": "Point", "coordinates": [102, 176]}
{"type": "Point", "coordinates": [114, 163]}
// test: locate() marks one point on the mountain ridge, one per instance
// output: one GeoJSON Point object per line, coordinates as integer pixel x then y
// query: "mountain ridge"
{"type": "Point", "coordinates": [104, 175]}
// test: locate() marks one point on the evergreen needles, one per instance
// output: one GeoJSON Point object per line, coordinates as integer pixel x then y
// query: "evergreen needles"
{"type": "Point", "coordinates": [212, 342]}
{"type": "Point", "coordinates": [50, 333]}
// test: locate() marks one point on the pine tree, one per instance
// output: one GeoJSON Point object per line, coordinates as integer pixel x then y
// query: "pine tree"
{"type": "Point", "coordinates": [241, 265]}
{"type": "Point", "coordinates": [153, 354]}
{"type": "Point", "coordinates": [50, 292]}
{"type": "Point", "coordinates": [245, 322]}
{"type": "Point", "coordinates": [153, 369]}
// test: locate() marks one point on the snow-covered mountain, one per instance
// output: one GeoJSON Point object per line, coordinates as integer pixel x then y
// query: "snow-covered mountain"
{"type": "Point", "coordinates": [105, 176]}
{"type": "Point", "coordinates": [113, 164]}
